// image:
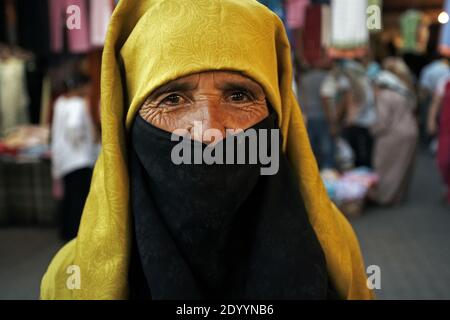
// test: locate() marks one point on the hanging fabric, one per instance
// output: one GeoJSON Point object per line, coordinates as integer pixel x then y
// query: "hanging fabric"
{"type": "Point", "coordinates": [349, 36]}
{"type": "Point", "coordinates": [312, 35]}
{"type": "Point", "coordinates": [409, 23]}
{"type": "Point", "coordinates": [325, 26]}
{"type": "Point", "coordinates": [295, 13]}
{"type": "Point", "coordinates": [295, 21]}
{"type": "Point", "coordinates": [100, 14]}
{"type": "Point", "coordinates": [13, 94]}
{"type": "Point", "coordinates": [78, 39]}
{"type": "Point", "coordinates": [415, 31]}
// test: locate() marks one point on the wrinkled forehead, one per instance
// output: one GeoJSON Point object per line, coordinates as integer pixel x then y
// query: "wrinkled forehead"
{"type": "Point", "coordinates": [211, 79]}
{"type": "Point", "coordinates": [175, 39]}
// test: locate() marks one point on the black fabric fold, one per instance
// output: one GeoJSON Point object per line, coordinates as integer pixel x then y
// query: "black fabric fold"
{"type": "Point", "coordinates": [218, 231]}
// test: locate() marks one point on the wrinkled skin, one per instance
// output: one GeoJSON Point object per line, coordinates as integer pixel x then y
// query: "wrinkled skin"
{"type": "Point", "coordinates": [218, 99]}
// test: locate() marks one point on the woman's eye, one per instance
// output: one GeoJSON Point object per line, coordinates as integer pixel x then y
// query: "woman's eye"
{"type": "Point", "coordinates": [173, 100]}
{"type": "Point", "coordinates": [240, 96]}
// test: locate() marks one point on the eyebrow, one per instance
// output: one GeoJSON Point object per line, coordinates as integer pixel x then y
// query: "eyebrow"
{"type": "Point", "coordinates": [172, 87]}
{"type": "Point", "coordinates": [246, 85]}
{"type": "Point", "coordinates": [186, 85]}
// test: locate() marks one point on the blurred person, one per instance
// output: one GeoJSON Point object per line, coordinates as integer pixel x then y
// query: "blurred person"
{"type": "Point", "coordinates": [395, 133]}
{"type": "Point", "coordinates": [432, 73]}
{"type": "Point", "coordinates": [73, 152]}
{"type": "Point", "coordinates": [430, 76]}
{"type": "Point", "coordinates": [319, 114]}
{"type": "Point", "coordinates": [438, 124]}
{"type": "Point", "coordinates": [399, 68]}
{"type": "Point", "coordinates": [370, 64]}
{"type": "Point", "coordinates": [152, 229]}
{"type": "Point", "coordinates": [332, 90]}
{"type": "Point", "coordinates": [356, 111]}
{"type": "Point", "coordinates": [373, 69]}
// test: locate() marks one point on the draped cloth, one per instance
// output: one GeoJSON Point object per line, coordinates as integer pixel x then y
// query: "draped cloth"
{"type": "Point", "coordinates": [220, 231]}
{"type": "Point", "coordinates": [150, 43]}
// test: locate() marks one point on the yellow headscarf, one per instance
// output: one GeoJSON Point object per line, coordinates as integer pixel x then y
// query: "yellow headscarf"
{"type": "Point", "coordinates": [149, 43]}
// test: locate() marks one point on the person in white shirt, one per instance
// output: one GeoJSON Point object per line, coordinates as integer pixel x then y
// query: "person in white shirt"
{"type": "Point", "coordinates": [74, 152]}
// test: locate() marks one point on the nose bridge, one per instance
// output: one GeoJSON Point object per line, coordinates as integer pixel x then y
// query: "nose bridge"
{"type": "Point", "coordinates": [212, 116]}
{"type": "Point", "coordinates": [210, 105]}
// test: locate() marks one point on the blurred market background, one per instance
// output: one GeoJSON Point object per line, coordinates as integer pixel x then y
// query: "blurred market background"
{"type": "Point", "coordinates": [371, 78]}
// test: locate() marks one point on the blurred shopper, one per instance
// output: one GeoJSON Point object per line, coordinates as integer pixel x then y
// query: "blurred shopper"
{"type": "Point", "coordinates": [395, 133]}
{"type": "Point", "coordinates": [432, 73]}
{"type": "Point", "coordinates": [73, 152]}
{"type": "Point", "coordinates": [439, 124]}
{"type": "Point", "coordinates": [320, 116]}
{"type": "Point", "coordinates": [429, 79]}
{"type": "Point", "coordinates": [356, 111]}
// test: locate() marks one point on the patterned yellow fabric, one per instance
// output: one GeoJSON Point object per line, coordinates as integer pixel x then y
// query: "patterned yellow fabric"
{"type": "Point", "coordinates": [149, 43]}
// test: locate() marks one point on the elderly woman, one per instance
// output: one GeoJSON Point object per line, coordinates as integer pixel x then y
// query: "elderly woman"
{"type": "Point", "coordinates": [154, 229]}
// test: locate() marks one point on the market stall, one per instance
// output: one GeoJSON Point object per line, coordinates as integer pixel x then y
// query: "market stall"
{"type": "Point", "coordinates": [25, 178]}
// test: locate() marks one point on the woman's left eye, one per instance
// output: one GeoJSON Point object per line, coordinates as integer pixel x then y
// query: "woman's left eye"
{"type": "Point", "coordinates": [240, 96]}
{"type": "Point", "coordinates": [173, 100]}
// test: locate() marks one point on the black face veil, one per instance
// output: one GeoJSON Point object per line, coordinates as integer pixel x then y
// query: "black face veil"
{"type": "Point", "coordinates": [220, 231]}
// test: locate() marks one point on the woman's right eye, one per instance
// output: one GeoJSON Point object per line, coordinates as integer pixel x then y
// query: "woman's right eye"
{"type": "Point", "coordinates": [173, 100]}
